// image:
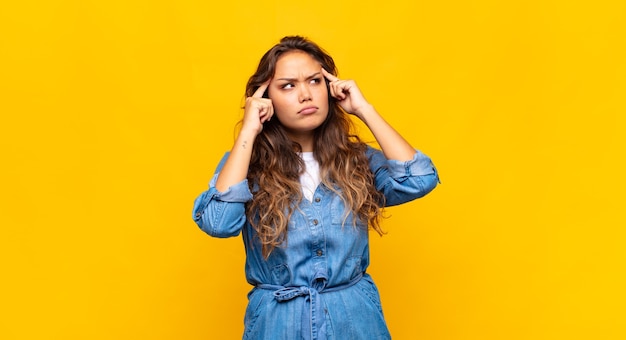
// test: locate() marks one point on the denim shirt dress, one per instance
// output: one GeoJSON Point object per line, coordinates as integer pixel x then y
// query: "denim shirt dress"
{"type": "Point", "coordinates": [315, 286]}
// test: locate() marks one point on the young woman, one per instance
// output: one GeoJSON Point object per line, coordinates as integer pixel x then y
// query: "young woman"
{"type": "Point", "coordinates": [303, 191]}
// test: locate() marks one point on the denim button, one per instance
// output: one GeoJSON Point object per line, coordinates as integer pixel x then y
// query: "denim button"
{"type": "Point", "coordinates": [198, 214]}
{"type": "Point", "coordinates": [315, 222]}
{"type": "Point", "coordinates": [319, 252]}
{"type": "Point", "coordinates": [317, 199]}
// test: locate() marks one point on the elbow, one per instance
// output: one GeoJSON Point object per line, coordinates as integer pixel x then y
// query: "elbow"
{"type": "Point", "coordinates": [429, 183]}
{"type": "Point", "coordinates": [220, 219]}
{"type": "Point", "coordinates": [219, 227]}
{"type": "Point", "coordinates": [422, 186]}
{"type": "Point", "coordinates": [414, 188]}
{"type": "Point", "coordinates": [222, 228]}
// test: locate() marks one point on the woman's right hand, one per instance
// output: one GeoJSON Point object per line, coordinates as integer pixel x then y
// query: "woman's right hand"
{"type": "Point", "coordinates": [257, 111]}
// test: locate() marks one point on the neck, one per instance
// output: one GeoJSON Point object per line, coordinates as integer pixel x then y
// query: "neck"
{"type": "Point", "coordinates": [305, 140]}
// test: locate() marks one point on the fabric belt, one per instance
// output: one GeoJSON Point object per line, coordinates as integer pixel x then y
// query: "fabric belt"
{"type": "Point", "coordinates": [315, 327]}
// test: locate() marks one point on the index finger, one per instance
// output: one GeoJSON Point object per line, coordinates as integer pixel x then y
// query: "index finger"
{"type": "Point", "coordinates": [259, 92]}
{"type": "Point", "coordinates": [328, 75]}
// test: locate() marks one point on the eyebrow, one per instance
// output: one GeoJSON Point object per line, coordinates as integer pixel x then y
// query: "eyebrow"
{"type": "Point", "coordinates": [307, 78]}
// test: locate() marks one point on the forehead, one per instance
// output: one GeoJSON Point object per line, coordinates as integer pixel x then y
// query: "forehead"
{"type": "Point", "coordinates": [294, 63]}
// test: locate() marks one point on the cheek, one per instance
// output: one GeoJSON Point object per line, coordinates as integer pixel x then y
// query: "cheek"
{"type": "Point", "coordinates": [283, 107]}
{"type": "Point", "coordinates": [323, 95]}
{"type": "Point", "coordinates": [278, 101]}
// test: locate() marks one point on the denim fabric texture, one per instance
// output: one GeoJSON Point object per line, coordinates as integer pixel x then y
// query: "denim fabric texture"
{"type": "Point", "coordinates": [316, 286]}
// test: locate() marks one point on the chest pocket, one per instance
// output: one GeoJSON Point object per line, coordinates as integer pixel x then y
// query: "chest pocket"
{"type": "Point", "coordinates": [339, 216]}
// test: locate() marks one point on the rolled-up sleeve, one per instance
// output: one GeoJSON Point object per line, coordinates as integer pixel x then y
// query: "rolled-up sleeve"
{"type": "Point", "coordinates": [403, 181]}
{"type": "Point", "coordinates": [222, 214]}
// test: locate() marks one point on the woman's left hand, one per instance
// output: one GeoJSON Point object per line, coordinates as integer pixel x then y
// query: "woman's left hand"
{"type": "Point", "coordinates": [347, 94]}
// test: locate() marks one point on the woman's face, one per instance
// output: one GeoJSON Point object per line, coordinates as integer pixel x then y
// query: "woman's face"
{"type": "Point", "coordinates": [299, 94]}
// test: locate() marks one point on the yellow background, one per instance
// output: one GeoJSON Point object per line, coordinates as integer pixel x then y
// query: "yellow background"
{"type": "Point", "coordinates": [114, 114]}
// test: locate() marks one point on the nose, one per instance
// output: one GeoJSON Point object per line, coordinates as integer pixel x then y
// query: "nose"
{"type": "Point", "coordinates": [305, 93]}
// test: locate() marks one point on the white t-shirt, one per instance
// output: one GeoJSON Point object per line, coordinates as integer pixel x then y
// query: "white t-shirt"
{"type": "Point", "coordinates": [310, 179]}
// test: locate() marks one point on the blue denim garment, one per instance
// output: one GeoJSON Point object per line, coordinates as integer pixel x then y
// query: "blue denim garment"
{"type": "Point", "coordinates": [316, 285]}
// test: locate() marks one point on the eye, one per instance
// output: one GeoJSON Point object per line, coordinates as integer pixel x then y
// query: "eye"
{"type": "Point", "coordinates": [287, 86]}
{"type": "Point", "coordinates": [316, 80]}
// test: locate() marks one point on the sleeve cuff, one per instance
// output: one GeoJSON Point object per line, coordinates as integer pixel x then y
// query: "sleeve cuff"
{"type": "Point", "coordinates": [239, 192]}
{"type": "Point", "coordinates": [418, 166]}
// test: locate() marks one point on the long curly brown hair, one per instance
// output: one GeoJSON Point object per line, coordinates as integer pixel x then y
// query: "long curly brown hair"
{"type": "Point", "coordinates": [275, 166]}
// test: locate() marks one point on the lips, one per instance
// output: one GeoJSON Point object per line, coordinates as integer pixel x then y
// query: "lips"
{"type": "Point", "coordinates": [308, 110]}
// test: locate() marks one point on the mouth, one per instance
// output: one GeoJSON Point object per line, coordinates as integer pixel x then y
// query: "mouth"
{"type": "Point", "coordinates": [308, 110]}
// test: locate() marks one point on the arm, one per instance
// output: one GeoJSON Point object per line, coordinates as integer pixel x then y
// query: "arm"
{"type": "Point", "coordinates": [402, 181]}
{"type": "Point", "coordinates": [220, 211]}
{"type": "Point", "coordinates": [257, 111]}
{"type": "Point", "coordinates": [393, 145]}
{"type": "Point", "coordinates": [401, 173]}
